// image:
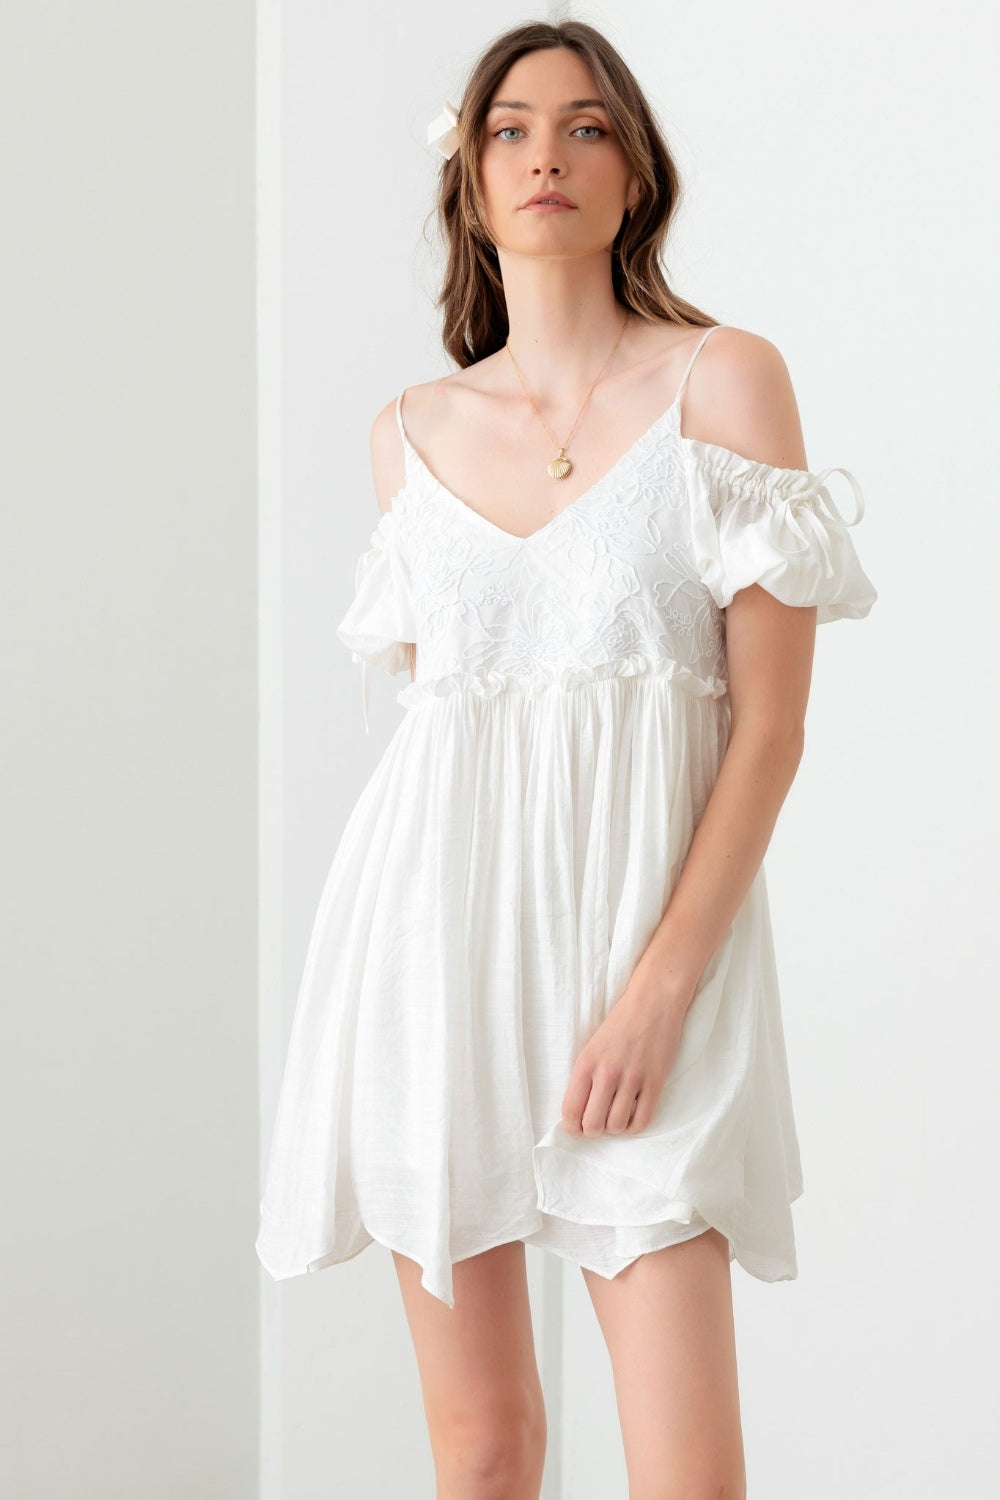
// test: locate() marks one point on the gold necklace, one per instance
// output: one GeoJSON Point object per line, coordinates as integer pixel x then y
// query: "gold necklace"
{"type": "Point", "coordinates": [560, 466]}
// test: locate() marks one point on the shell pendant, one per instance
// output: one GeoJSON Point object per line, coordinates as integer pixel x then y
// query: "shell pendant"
{"type": "Point", "coordinates": [559, 467]}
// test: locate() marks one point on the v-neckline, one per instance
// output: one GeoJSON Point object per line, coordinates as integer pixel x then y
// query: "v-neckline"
{"type": "Point", "coordinates": [513, 537]}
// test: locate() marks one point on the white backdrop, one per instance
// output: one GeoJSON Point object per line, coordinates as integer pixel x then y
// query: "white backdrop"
{"type": "Point", "coordinates": [839, 201]}
{"type": "Point", "coordinates": [129, 1291]}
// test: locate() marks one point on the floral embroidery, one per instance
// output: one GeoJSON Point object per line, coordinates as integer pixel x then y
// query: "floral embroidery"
{"type": "Point", "coordinates": [632, 579]}
{"type": "Point", "coordinates": [612, 576]}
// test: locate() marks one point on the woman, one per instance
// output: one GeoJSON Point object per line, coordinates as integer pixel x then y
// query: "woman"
{"type": "Point", "coordinates": [540, 1002]}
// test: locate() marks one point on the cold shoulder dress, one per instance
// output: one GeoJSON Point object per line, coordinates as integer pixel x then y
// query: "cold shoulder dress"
{"type": "Point", "coordinates": [512, 854]}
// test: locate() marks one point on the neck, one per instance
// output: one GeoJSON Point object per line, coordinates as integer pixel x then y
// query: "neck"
{"type": "Point", "coordinates": [563, 320]}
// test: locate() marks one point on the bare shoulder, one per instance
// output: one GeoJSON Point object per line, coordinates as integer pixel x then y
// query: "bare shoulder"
{"type": "Point", "coordinates": [740, 396]}
{"type": "Point", "coordinates": [428, 407]}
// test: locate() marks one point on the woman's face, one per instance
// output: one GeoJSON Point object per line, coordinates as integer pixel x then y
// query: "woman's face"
{"type": "Point", "coordinates": [546, 130]}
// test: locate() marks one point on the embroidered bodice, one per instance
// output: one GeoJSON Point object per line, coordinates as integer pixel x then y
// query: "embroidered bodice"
{"type": "Point", "coordinates": [631, 578]}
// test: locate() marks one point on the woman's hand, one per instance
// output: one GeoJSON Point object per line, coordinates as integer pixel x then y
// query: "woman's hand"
{"type": "Point", "coordinates": [619, 1075]}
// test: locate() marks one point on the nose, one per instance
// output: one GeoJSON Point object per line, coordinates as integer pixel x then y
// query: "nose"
{"type": "Point", "coordinates": [549, 158]}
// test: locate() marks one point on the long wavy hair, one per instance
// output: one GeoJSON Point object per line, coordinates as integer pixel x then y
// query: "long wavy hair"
{"type": "Point", "coordinates": [475, 309]}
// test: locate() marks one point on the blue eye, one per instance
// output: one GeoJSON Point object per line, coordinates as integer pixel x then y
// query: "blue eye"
{"type": "Point", "coordinates": [501, 133]}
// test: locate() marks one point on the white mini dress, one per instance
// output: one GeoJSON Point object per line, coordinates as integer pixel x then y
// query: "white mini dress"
{"type": "Point", "coordinates": [512, 854]}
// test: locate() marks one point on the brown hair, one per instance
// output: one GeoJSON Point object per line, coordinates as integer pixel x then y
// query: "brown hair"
{"type": "Point", "coordinates": [475, 309]}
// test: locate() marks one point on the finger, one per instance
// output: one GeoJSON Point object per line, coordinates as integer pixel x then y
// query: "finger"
{"type": "Point", "coordinates": [621, 1111]}
{"type": "Point", "coordinates": [641, 1114]}
{"type": "Point", "coordinates": [596, 1113]}
{"type": "Point", "coordinates": [575, 1100]}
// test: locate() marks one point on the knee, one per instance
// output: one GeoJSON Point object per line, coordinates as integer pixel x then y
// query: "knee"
{"type": "Point", "coordinates": [496, 1452]}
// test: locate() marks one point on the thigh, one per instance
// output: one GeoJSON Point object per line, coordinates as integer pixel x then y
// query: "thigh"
{"type": "Point", "coordinates": [667, 1320]}
{"type": "Point", "coordinates": [476, 1360]}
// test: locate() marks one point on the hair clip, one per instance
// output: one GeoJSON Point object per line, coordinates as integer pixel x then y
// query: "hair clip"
{"type": "Point", "coordinates": [443, 131]}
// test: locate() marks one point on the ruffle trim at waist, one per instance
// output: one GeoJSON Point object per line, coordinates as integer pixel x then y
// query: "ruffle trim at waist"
{"type": "Point", "coordinates": [492, 684]}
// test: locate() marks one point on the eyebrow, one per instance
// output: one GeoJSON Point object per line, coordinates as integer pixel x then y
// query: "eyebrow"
{"type": "Point", "coordinates": [567, 109]}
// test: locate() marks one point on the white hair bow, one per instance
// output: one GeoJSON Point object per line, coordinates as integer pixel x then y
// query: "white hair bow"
{"type": "Point", "coordinates": [443, 131]}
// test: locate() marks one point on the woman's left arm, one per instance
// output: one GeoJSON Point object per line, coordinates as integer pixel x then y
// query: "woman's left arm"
{"type": "Point", "coordinates": [741, 396]}
{"type": "Point", "coordinates": [742, 399]}
{"type": "Point", "coordinates": [770, 655]}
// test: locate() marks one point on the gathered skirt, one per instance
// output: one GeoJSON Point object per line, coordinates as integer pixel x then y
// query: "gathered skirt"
{"type": "Point", "coordinates": [499, 876]}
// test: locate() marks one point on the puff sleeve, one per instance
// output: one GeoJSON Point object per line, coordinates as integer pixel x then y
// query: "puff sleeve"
{"type": "Point", "coordinates": [381, 619]}
{"type": "Point", "coordinates": [755, 523]}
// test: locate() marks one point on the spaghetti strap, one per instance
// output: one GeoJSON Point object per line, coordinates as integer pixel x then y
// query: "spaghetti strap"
{"type": "Point", "coordinates": [399, 417]}
{"type": "Point", "coordinates": [684, 377]}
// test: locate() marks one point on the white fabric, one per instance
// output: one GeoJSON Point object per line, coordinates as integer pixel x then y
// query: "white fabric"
{"type": "Point", "coordinates": [509, 859]}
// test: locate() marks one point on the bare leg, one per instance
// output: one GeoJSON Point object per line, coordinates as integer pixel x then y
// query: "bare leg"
{"type": "Point", "coordinates": [479, 1377]}
{"type": "Point", "coordinates": [667, 1320]}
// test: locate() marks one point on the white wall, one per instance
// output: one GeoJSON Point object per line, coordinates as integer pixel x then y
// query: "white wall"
{"type": "Point", "coordinates": [129, 1339]}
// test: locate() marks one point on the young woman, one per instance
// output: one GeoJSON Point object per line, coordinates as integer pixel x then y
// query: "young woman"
{"type": "Point", "coordinates": [540, 1001]}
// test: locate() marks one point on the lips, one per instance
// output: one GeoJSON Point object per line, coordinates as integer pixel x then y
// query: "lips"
{"type": "Point", "coordinates": [559, 198]}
